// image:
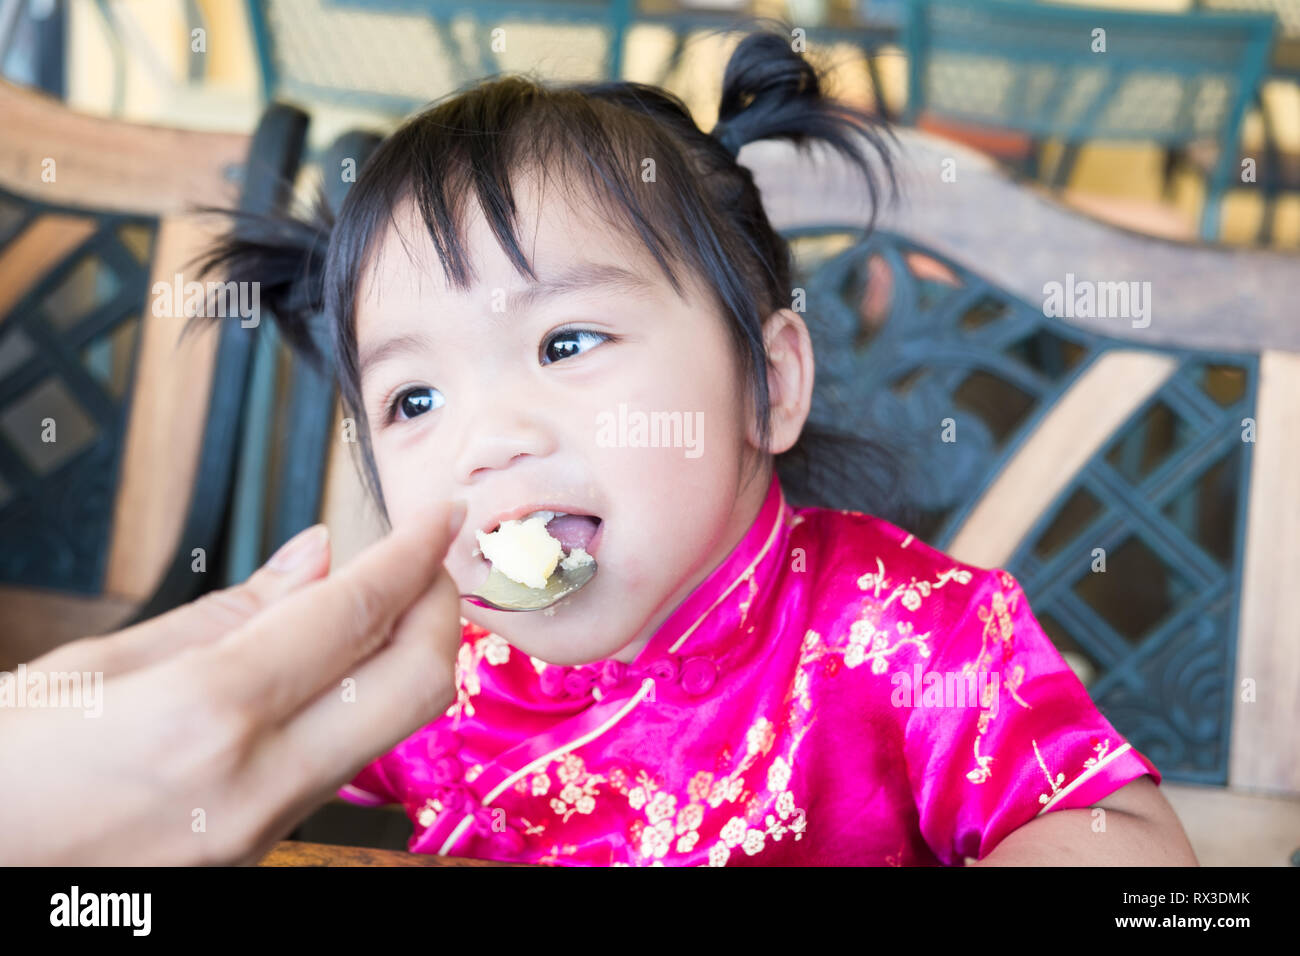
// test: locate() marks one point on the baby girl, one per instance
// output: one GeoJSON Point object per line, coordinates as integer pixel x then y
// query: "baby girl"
{"type": "Point", "coordinates": [753, 675]}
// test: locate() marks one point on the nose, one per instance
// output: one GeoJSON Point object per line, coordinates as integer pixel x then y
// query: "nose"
{"type": "Point", "coordinates": [498, 433]}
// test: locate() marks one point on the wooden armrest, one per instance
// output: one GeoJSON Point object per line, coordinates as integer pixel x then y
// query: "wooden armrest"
{"type": "Point", "coordinates": [295, 853]}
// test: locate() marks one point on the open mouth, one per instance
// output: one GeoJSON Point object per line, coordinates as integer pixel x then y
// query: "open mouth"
{"type": "Point", "coordinates": [528, 547]}
{"type": "Point", "coordinates": [573, 530]}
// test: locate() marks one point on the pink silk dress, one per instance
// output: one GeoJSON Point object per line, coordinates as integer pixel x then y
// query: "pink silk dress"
{"type": "Point", "coordinates": [835, 692]}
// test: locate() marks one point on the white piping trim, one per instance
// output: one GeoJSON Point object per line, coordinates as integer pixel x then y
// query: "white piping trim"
{"type": "Point", "coordinates": [365, 794]}
{"type": "Point", "coordinates": [1086, 775]}
{"type": "Point", "coordinates": [780, 515]}
{"type": "Point", "coordinates": [647, 686]}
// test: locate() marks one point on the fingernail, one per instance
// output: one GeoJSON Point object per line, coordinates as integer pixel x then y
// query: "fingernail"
{"type": "Point", "coordinates": [457, 517]}
{"type": "Point", "coordinates": [303, 545]}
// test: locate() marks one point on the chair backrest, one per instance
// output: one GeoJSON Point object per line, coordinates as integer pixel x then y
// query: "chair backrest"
{"type": "Point", "coordinates": [1286, 11]}
{"type": "Point", "coordinates": [110, 451]}
{"type": "Point", "coordinates": [1109, 417]}
{"type": "Point", "coordinates": [1083, 73]}
{"type": "Point", "coordinates": [290, 426]}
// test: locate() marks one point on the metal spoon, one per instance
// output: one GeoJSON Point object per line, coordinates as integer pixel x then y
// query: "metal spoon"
{"type": "Point", "coordinates": [500, 593]}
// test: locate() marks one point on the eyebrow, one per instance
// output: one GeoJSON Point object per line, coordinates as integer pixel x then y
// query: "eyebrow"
{"type": "Point", "coordinates": [407, 342]}
{"type": "Point", "coordinates": [581, 277]}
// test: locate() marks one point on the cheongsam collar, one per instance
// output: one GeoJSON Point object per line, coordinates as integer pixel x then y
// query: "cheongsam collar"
{"type": "Point", "coordinates": [710, 631]}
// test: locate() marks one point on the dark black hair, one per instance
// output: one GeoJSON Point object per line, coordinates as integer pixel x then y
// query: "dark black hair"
{"type": "Point", "coordinates": [706, 219]}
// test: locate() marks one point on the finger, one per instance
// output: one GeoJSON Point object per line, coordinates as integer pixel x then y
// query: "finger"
{"type": "Point", "coordinates": [303, 558]}
{"type": "Point", "coordinates": [408, 684]}
{"type": "Point", "coordinates": [281, 659]}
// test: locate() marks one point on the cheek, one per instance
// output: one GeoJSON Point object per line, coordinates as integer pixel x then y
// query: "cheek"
{"type": "Point", "coordinates": [408, 478]}
{"type": "Point", "coordinates": [692, 370]}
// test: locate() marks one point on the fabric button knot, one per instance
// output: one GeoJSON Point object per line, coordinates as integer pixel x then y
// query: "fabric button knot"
{"type": "Point", "coordinates": [695, 675]}
{"type": "Point", "coordinates": [446, 770]}
{"type": "Point", "coordinates": [699, 674]}
{"type": "Point", "coordinates": [552, 681]}
{"type": "Point", "coordinates": [612, 673]}
{"type": "Point", "coordinates": [664, 670]}
{"type": "Point", "coordinates": [443, 742]}
{"type": "Point", "coordinates": [508, 840]}
{"type": "Point", "coordinates": [455, 798]}
{"type": "Point", "coordinates": [504, 838]}
{"type": "Point", "coordinates": [579, 682]}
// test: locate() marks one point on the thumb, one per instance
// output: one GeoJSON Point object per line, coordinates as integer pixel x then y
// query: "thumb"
{"type": "Point", "coordinates": [302, 559]}
{"type": "Point", "coordinates": [286, 657]}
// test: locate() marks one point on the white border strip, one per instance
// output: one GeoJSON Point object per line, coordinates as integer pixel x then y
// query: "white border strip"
{"type": "Point", "coordinates": [360, 794]}
{"type": "Point", "coordinates": [646, 686]}
{"type": "Point", "coordinates": [1086, 775]}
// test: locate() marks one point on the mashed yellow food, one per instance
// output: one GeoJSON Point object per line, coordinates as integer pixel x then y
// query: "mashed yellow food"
{"type": "Point", "coordinates": [523, 550]}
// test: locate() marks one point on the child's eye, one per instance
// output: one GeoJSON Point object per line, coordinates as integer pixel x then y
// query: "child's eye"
{"type": "Point", "coordinates": [565, 343]}
{"type": "Point", "coordinates": [406, 403]}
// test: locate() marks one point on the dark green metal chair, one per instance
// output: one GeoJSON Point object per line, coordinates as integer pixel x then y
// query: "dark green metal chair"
{"type": "Point", "coordinates": [1039, 438]}
{"type": "Point", "coordinates": [1037, 68]}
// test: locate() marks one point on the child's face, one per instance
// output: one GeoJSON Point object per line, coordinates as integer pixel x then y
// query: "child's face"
{"type": "Point", "coordinates": [509, 415]}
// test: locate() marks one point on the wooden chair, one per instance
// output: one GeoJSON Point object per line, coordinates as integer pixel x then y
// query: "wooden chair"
{"type": "Point", "coordinates": [105, 523]}
{"type": "Point", "coordinates": [1169, 443]}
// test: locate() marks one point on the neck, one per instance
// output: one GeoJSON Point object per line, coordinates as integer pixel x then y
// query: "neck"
{"type": "Point", "coordinates": [748, 503]}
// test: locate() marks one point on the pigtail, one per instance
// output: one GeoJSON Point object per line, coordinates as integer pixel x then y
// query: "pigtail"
{"type": "Point", "coordinates": [284, 253]}
{"type": "Point", "coordinates": [770, 91]}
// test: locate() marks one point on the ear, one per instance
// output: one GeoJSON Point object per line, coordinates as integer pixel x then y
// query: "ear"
{"type": "Point", "coordinates": [790, 368]}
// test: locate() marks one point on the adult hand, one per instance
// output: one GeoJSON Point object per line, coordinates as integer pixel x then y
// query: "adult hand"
{"type": "Point", "coordinates": [224, 722]}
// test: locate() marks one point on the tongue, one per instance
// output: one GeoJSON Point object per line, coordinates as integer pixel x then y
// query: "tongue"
{"type": "Point", "coordinates": [572, 531]}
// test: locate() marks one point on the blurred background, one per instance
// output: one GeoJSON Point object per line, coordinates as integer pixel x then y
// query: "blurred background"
{"type": "Point", "coordinates": [215, 64]}
{"type": "Point", "coordinates": [1155, 141]}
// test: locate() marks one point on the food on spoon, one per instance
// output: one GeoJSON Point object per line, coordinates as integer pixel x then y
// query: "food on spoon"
{"type": "Point", "coordinates": [523, 550]}
{"type": "Point", "coordinates": [576, 558]}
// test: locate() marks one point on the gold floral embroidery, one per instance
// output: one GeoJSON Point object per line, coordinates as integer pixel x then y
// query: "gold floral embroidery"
{"type": "Point", "coordinates": [760, 737]}
{"type": "Point", "coordinates": [654, 837]}
{"type": "Point", "coordinates": [982, 761]}
{"type": "Point", "coordinates": [997, 618]}
{"type": "Point", "coordinates": [1054, 784]}
{"type": "Point", "coordinates": [579, 793]}
{"type": "Point", "coordinates": [672, 824]}
{"type": "Point", "coordinates": [749, 598]}
{"type": "Point", "coordinates": [741, 831]}
{"type": "Point", "coordinates": [752, 839]}
{"type": "Point", "coordinates": [863, 632]}
{"type": "Point", "coordinates": [869, 642]}
{"type": "Point", "coordinates": [866, 643]}
{"type": "Point", "coordinates": [913, 592]}
{"type": "Point", "coordinates": [1100, 749]}
{"type": "Point", "coordinates": [559, 850]}
{"type": "Point", "coordinates": [429, 812]}
{"type": "Point", "coordinates": [490, 647]}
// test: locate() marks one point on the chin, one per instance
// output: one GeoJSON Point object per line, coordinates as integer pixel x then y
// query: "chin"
{"type": "Point", "coordinates": [554, 638]}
